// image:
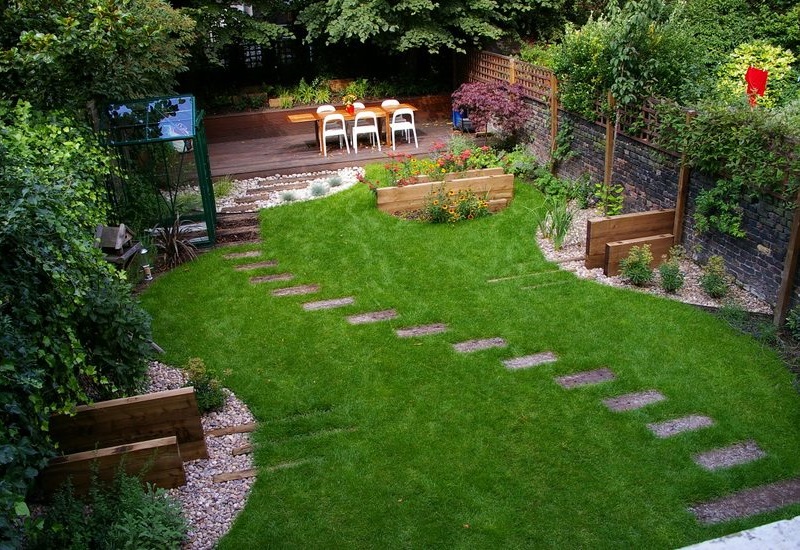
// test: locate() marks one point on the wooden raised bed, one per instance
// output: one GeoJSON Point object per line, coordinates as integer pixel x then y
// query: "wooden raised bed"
{"type": "Point", "coordinates": [491, 182]}
{"type": "Point", "coordinates": [609, 239]}
{"type": "Point", "coordinates": [153, 433]}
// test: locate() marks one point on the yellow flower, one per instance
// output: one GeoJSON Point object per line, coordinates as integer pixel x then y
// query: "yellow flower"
{"type": "Point", "coordinates": [436, 203]}
{"type": "Point", "coordinates": [451, 193]}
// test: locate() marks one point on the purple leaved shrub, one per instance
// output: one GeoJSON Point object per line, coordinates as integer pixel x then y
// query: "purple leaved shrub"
{"type": "Point", "coordinates": [500, 103]}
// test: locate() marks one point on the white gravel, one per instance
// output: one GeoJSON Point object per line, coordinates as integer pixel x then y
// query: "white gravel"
{"type": "Point", "coordinates": [571, 258]}
{"type": "Point", "coordinates": [348, 176]}
{"type": "Point", "coordinates": [209, 507]}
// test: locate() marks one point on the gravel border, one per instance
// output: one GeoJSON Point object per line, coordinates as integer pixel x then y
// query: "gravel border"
{"type": "Point", "coordinates": [571, 258]}
{"type": "Point", "coordinates": [210, 508]}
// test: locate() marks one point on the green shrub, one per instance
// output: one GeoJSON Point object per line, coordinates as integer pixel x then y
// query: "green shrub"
{"type": "Point", "coordinates": [554, 220]}
{"type": "Point", "coordinates": [318, 189]}
{"type": "Point", "coordinates": [793, 322]}
{"type": "Point", "coordinates": [121, 514]}
{"type": "Point", "coordinates": [636, 267]}
{"type": "Point", "coordinates": [223, 187]}
{"type": "Point", "coordinates": [207, 389]}
{"type": "Point", "coordinates": [714, 280]}
{"type": "Point", "coordinates": [288, 196]}
{"type": "Point", "coordinates": [610, 198]}
{"type": "Point", "coordinates": [671, 276]}
{"type": "Point", "coordinates": [550, 185]}
{"type": "Point", "coordinates": [521, 162]}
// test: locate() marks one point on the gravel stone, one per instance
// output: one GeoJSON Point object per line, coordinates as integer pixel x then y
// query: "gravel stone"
{"type": "Point", "coordinates": [476, 345]}
{"type": "Point", "coordinates": [210, 508]}
{"type": "Point", "coordinates": [732, 455]}
{"type": "Point", "coordinates": [748, 502]}
{"type": "Point", "coordinates": [421, 330]}
{"type": "Point", "coordinates": [571, 258]}
{"type": "Point", "coordinates": [372, 317]}
{"type": "Point", "coordinates": [668, 428]}
{"type": "Point", "coordinates": [585, 378]}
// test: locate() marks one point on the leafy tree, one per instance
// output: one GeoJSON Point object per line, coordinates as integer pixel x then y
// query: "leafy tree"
{"type": "Point", "coordinates": [69, 330]}
{"type": "Point", "coordinates": [222, 26]}
{"type": "Point", "coordinates": [782, 81]}
{"type": "Point", "coordinates": [66, 53]}
{"type": "Point", "coordinates": [408, 24]}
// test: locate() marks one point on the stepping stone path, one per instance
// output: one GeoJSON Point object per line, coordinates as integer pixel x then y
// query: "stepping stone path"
{"type": "Point", "coordinates": [296, 290]}
{"type": "Point", "coordinates": [239, 255]}
{"type": "Point", "coordinates": [668, 428]}
{"type": "Point", "coordinates": [372, 317]}
{"type": "Point", "coordinates": [631, 401]}
{"type": "Point", "coordinates": [329, 304]}
{"type": "Point", "coordinates": [476, 345]}
{"type": "Point", "coordinates": [421, 330]}
{"type": "Point", "coordinates": [732, 455]}
{"type": "Point", "coordinates": [528, 361]}
{"type": "Point", "coordinates": [748, 502]}
{"type": "Point", "coordinates": [258, 265]}
{"type": "Point", "coordinates": [586, 378]}
{"type": "Point", "coordinates": [272, 278]}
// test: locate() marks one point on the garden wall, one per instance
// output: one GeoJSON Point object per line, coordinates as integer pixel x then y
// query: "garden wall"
{"type": "Point", "coordinates": [650, 178]}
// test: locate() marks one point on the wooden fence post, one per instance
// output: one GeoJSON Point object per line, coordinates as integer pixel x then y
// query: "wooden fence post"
{"type": "Point", "coordinates": [789, 268]}
{"type": "Point", "coordinates": [683, 190]}
{"type": "Point", "coordinates": [609, 160]}
{"type": "Point", "coordinates": [512, 70]}
{"type": "Point", "coordinates": [553, 112]}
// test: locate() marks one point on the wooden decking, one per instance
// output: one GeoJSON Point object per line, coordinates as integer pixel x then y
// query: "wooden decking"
{"type": "Point", "coordinates": [298, 152]}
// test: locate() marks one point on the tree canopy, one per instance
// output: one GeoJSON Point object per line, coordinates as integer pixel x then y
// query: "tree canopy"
{"type": "Point", "coordinates": [57, 54]}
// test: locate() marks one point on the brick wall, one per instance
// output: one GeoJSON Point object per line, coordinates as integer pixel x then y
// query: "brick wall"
{"type": "Point", "coordinates": [650, 178]}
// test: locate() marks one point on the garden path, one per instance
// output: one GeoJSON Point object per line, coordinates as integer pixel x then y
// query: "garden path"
{"type": "Point", "coordinates": [744, 503]}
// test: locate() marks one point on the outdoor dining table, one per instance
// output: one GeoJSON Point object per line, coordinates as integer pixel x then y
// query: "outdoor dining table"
{"type": "Point", "coordinates": [381, 112]}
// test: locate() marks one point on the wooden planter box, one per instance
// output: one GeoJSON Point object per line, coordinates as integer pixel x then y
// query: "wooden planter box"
{"type": "Point", "coordinates": [491, 182]}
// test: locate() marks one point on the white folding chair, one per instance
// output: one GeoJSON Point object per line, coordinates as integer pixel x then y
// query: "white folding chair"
{"type": "Point", "coordinates": [358, 105]}
{"type": "Point", "coordinates": [402, 124]}
{"type": "Point", "coordinates": [339, 129]}
{"type": "Point", "coordinates": [371, 128]}
{"type": "Point", "coordinates": [325, 109]}
{"type": "Point", "coordinates": [390, 103]}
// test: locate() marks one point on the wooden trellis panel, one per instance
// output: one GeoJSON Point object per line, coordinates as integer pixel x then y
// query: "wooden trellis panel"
{"type": "Point", "coordinates": [489, 67]}
{"type": "Point", "coordinates": [535, 81]}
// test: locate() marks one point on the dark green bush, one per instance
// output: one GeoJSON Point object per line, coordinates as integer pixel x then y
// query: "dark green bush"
{"type": "Point", "coordinates": [793, 322]}
{"type": "Point", "coordinates": [207, 389]}
{"type": "Point", "coordinates": [672, 277]}
{"type": "Point", "coordinates": [636, 267]}
{"type": "Point", "coordinates": [121, 514]}
{"type": "Point", "coordinates": [714, 280]}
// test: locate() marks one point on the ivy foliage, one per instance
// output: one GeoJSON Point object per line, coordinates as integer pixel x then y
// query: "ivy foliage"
{"type": "Point", "coordinates": [66, 53]}
{"type": "Point", "coordinates": [69, 330]}
{"type": "Point", "coordinates": [749, 153]}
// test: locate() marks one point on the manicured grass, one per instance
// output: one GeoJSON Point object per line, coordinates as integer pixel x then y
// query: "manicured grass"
{"type": "Point", "coordinates": [409, 444]}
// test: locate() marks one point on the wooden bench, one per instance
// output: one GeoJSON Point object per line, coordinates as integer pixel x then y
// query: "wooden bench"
{"type": "Point", "coordinates": [626, 230]}
{"type": "Point", "coordinates": [498, 189]}
{"type": "Point", "coordinates": [163, 427]}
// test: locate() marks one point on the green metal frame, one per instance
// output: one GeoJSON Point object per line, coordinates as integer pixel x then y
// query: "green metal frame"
{"type": "Point", "coordinates": [153, 137]}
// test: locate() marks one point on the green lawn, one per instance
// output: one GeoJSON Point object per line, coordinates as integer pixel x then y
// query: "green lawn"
{"type": "Point", "coordinates": [407, 443]}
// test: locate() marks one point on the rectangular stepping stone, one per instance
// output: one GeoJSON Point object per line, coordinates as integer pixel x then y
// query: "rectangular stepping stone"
{"type": "Point", "coordinates": [732, 455]}
{"type": "Point", "coordinates": [296, 290]}
{"type": "Point", "coordinates": [421, 330]}
{"type": "Point", "coordinates": [528, 361]}
{"type": "Point", "coordinates": [586, 378]}
{"type": "Point", "coordinates": [272, 278]}
{"type": "Point", "coordinates": [239, 255]}
{"type": "Point", "coordinates": [372, 317]}
{"type": "Point", "coordinates": [476, 345]}
{"type": "Point", "coordinates": [631, 401]}
{"type": "Point", "coordinates": [257, 265]}
{"type": "Point", "coordinates": [668, 428]}
{"type": "Point", "coordinates": [329, 304]}
{"type": "Point", "coordinates": [748, 502]}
